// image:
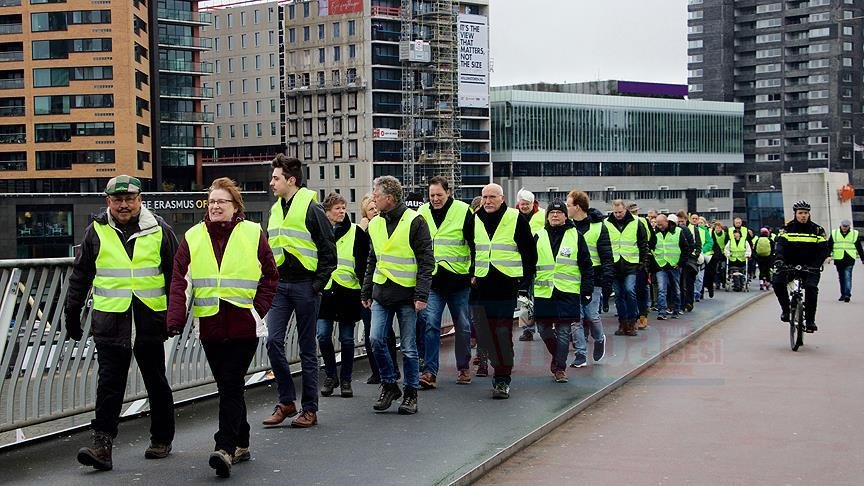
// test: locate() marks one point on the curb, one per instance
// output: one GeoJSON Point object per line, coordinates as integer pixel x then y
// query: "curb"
{"type": "Point", "coordinates": [507, 452]}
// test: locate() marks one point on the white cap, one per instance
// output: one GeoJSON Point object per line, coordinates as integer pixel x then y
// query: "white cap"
{"type": "Point", "coordinates": [525, 195]}
{"type": "Point", "coordinates": [672, 218]}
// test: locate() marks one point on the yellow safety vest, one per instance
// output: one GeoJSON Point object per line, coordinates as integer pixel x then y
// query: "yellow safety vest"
{"type": "Point", "coordinates": [118, 277]}
{"type": "Point", "coordinates": [668, 249]}
{"type": "Point", "coordinates": [451, 249]}
{"type": "Point", "coordinates": [395, 257]}
{"type": "Point", "coordinates": [743, 229]}
{"type": "Point", "coordinates": [738, 250]}
{"type": "Point", "coordinates": [538, 220]}
{"type": "Point", "coordinates": [844, 245]}
{"type": "Point", "coordinates": [235, 280]}
{"type": "Point", "coordinates": [501, 251]}
{"type": "Point", "coordinates": [591, 237]}
{"type": "Point", "coordinates": [624, 243]}
{"type": "Point", "coordinates": [559, 271]}
{"type": "Point", "coordinates": [288, 232]}
{"type": "Point", "coordinates": [345, 275]}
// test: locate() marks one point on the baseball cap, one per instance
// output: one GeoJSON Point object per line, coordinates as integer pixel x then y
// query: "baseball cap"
{"type": "Point", "coordinates": [557, 206]}
{"type": "Point", "coordinates": [123, 184]}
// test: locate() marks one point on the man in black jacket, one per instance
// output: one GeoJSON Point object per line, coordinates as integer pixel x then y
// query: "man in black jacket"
{"type": "Point", "coordinates": [670, 246]}
{"type": "Point", "coordinates": [125, 322]}
{"type": "Point", "coordinates": [398, 278]}
{"type": "Point", "coordinates": [629, 240]}
{"type": "Point", "coordinates": [844, 245]}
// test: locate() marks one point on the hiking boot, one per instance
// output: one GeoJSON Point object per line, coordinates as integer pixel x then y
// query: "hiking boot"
{"type": "Point", "coordinates": [579, 361]}
{"type": "Point", "coordinates": [630, 329]}
{"type": "Point", "coordinates": [463, 377]}
{"type": "Point", "coordinates": [409, 402]}
{"type": "Point", "coordinates": [389, 393]}
{"type": "Point", "coordinates": [526, 336]}
{"type": "Point", "coordinates": [374, 380]}
{"type": "Point", "coordinates": [560, 377]}
{"type": "Point", "coordinates": [98, 455]}
{"type": "Point", "coordinates": [688, 307]}
{"type": "Point", "coordinates": [306, 419]}
{"type": "Point", "coordinates": [711, 292]}
{"type": "Point", "coordinates": [328, 385]}
{"type": "Point", "coordinates": [345, 389]}
{"type": "Point", "coordinates": [482, 369]}
{"type": "Point", "coordinates": [241, 454]}
{"type": "Point", "coordinates": [811, 327]}
{"type": "Point", "coordinates": [599, 349]}
{"type": "Point", "coordinates": [428, 381]}
{"type": "Point", "coordinates": [157, 450]}
{"type": "Point", "coordinates": [281, 412]}
{"type": "Point", "coordinates": [221, 462]}
{"type": "Point", "coordinates": [501, 391]}
{"type": "Point", "coordinates": [784, 316]}
{"type": "Point", "coordinates": [622, 328]}
{"type": "Point", "coordinates": [643, 323]}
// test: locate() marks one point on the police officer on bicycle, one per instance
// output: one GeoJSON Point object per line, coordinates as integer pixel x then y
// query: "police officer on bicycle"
{"type": "Point", "coordinates": [802, 242]}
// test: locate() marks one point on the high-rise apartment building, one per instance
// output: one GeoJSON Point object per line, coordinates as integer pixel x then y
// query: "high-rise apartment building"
{"type": "Point", "coordinates": [797, 67]}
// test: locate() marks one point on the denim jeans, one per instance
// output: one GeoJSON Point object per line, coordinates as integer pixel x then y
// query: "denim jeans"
{"type": "Point", "coordinates": [625, 296]}
{"type": "Point", "coordinates": [328, 351]}
{"type": "Point", "coordinates": [382, 319]}
{"type": "Point", "coordinates": [643, 300]}
{"type": "Point", "coordinates": [845, 275]}
{"type": "Point", "coordinates": [667, 290]}
{"type": "Point", "coordinates": [590, 324]}
{"type": "Point", "coordinates": [366, 315]}
{"type": "Point", "coordinates": [457, 302]}
{"type": "Point", "coordinates": [294, 298]}
{"type": "Point", "coordinates": [700, 283]}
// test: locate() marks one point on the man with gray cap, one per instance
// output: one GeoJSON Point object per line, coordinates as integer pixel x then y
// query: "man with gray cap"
{"type": "Point", "coordinates": [843, 245]}
{"type": "Point", "coordinates": [531, 211]}
{"type": "Point", "coordinates": [127, 256]}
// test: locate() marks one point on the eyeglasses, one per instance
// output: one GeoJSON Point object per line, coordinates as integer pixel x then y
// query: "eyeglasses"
{"type": "Point", "coordinates": [122, 199]}
{"type": "Point", "coordinates": [219, 202]}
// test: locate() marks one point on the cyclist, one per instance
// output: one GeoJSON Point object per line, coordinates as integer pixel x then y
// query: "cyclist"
{"type": "Point", "coordinates": [802, 242]}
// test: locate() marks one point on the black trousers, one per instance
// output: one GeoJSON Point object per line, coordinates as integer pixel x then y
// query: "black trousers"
{"type": "Point", "coordinates": [494, 325]}
{"type": "Point", "coordinates": [114, 364]}
{"type": "Point", "coordinates": [688, 281]}
{"type": "Point", "coordinates": [229, 361]}
{"type": "Point", "coordinates": [811, 292]}
{"type": "Point", "coordinates": [711, 272]}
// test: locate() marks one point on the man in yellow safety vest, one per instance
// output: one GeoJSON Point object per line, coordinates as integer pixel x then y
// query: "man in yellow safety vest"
{"type": "Point", "coordinates": [844, 245]}
{"type": "Point", "coordinates": [530, 209]}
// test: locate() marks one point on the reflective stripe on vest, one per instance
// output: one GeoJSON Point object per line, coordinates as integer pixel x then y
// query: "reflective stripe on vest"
{"type": "Point", "coordinates": [559, 271]}
{"type": "Point", "coordinates": [288, 232]}
{"type": "Point", "coordinates": [451, 249]}
{"type": "Point", "coordinates": [624, 243]}
{"type": "Point", "coordinates": [668, 249]}
{"type": "Point", "coordinates": [395, 257]}
{"type": "Point", "coordinates": [591, 237]}
{"type": "Point", "coordinates": [235, 280]}
{"type": "Point", "coordinates": [738, 250]}
{"type": "Point", "coordinates": [802, 238]}
{"type": "Point", "coordinates": [844, 245]}
{"type": "Point", "coordinates": [118, 277]}
{"type": "Point", "coordinates": [345, 275]}
{"type": "Point", "coordinates": [501, 251]}
{"type": "Point", "coordinates": [537, 221]}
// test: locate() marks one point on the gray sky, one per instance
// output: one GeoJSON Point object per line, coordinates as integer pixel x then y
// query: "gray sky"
{"type": "Point", "coordinates": [587, 40]}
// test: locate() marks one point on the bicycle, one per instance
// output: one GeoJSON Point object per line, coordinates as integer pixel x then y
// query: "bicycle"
{"type": "Point", "coordinates": [796, 304]}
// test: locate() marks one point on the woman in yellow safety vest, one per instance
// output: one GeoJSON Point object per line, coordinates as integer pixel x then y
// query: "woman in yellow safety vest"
{"type": "Point", "coordinates": [233, 277]}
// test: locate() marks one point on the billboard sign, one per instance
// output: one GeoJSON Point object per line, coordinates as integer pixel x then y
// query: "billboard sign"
{"type": "Point", "coordinates": [385, 133]}
{"type": "Point", "coordinates": [473, 61]}
{"type": "Point", "coordinates": [339, 7]}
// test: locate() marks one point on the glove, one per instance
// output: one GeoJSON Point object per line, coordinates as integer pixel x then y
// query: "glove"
{"type": "Point", "coordinates": [175, 331]}
{"type": "Point", "coordinates": [73, 326]}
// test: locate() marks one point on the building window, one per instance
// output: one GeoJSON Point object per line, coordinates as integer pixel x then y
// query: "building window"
{"type": "Point", "coordinates": [352, 27]}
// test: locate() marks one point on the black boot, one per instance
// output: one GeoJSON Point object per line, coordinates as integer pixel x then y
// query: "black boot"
{"type": "Point", "coordinates": [409, 403]}
{"type": "Point", "coordinates": [389, 393]}
{"type": "Point", "coordinates": [99, 454]}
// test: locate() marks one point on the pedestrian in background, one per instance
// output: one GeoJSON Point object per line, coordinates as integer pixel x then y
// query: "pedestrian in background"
{"type": "Point", "coordinates": [843, 245]}
{"type": "Point", "coordinates": [224, 271]}
{"type": "Point", "coordinates": [763, 247]}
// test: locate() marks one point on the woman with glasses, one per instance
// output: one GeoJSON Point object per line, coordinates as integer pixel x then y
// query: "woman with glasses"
{"type": "Point", "coordinates": [233, 277]}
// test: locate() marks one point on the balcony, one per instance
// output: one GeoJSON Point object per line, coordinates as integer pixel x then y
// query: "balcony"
{"type": "Point", "coordinates": [10, 29]}
{"type": "Point", "coordinates": [186, 92]}
{"type": "Point", "coordinates": [187, 142]}
{"type": "Point", "coordinates": [185, 42]}
{"type": "Point", "coordinates": [184, 16]}
{"type": "Point", "coordinates": [185, 67]}
{"type": "Point", "coordinates": [11, 56]}
{"type": "Point", "coordinates": [392, 84]}
{"type": "Point", "coordinates": [391, 12]}
{"type": "Point", "coordinates": [475, 134]}
{"type": "Point", "coordinates": [12, 83]}
{"type": "Point", "coordinates": [475, 156]}
{"type": "Point", "coordinates": [10, 3]}
{"type": "Point", "coordinates": [13, 137]}
{"type": "Point", "coordinates": [186, 117]}
{"type": "Point", "coordinates": [386, 59]}
{"type": "Point", "coordinates": [352, 83]}
{"type": "Point", "coordinates": [11, 110]}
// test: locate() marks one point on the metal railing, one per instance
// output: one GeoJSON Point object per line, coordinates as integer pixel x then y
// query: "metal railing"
{"type": "Point", "coordinates": [204, 18]}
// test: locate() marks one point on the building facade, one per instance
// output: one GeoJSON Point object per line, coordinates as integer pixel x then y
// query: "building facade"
{"type": "Point", "coordinates": [664, 154]}
{"type": "Point", "coordinates": [796, 65]}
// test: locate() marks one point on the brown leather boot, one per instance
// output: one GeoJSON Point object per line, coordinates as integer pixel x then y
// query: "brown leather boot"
{"type": "Point", "coordinates": [306, 419]}
{"type": "Point", "coordinates": [622, 328]}
{"type": "Point", "coordinates": [643, 323]}
{"type": "Point", "coordinates": [630, 329]}
{"type": "Point", "coordinates": [99, 454]}
{"type": "Point", "coordinates": [281, 412]}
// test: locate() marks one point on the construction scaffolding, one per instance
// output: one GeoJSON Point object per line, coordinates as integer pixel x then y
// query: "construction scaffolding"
{"type": "Point", "coordinates": [431, 132]}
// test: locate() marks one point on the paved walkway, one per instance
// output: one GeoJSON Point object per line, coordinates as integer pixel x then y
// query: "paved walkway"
{"type": "Point", "coordinates": [457, 428]}
{"type": "Point", "coordinates": [735, 406]}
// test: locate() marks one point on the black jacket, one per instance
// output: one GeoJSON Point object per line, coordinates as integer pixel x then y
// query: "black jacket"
{"type": "Point", "coordinates": [319, 227]}
{"type": "Point", "coordinates": [583, 259]}
{"type": "Point", "coordinates": [604, 275]}
{"type": "Point", "coordinates": [444, 280]}
{"type": "Point", "coordinates": [115, 328]}
{"type": "Point", "coordinates": [339, 303]}
{"type": "Point", "coordinates": [810, 253]}
{"type": "Point", "coordinates": [685, 244]}
{"type": "Point", "coordinates": [390, 293]}
{"type": "Point", "coordinates": [495, 285]}
{"type": "Point", "coordinates": [622, 266]}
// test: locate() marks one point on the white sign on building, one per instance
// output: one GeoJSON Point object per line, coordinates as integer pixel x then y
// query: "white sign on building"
{"type": "Point", "coordinates": [473, 61]}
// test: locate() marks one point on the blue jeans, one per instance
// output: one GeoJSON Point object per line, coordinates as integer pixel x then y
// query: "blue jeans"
{"type": "Point", "coordinates": [625, 297]}
{"type": "Point", "coordinates": [845, 275]}
{"type": "Point", "coordinates": [700, 283]}
{"type": "Point", "coordinates": [457, 302]}
{"type": "Point", "coordinates": [382, 319]}
{"type": "Point", "coordinates": [291, 298]}
{"type": "Point", "coordinates": [643, 300]}
{"type": "Point", "coordinates": [328, 351]}
{"type": "Point", "coordinates": [667, 289]}
{"type": "Point", "coordinates": [589, 324]}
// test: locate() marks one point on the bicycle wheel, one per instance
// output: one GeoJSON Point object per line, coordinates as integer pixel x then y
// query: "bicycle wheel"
{"type": "Point", "coordinates": [796, 323]}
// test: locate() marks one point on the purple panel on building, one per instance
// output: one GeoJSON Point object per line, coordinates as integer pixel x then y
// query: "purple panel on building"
{"type": "Point", "coordinates": [652, 89]}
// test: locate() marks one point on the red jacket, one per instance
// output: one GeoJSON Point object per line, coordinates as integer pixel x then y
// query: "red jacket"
{"type": "Point", "coordinates": [231, 322]}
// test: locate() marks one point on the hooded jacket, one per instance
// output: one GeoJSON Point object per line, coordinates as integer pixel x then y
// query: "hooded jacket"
{"type": "Point", "coordinates": [604, 275]}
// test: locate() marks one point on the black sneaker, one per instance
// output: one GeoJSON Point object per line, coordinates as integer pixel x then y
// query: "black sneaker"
{"type": "Point", "coordinates": [784, 316]}
{"type": "Point", "coordinates": [841, 299]}
{"type": "Point", "coordinates": [579, 362]}
{"type": "Point", "coordinates": [810, 327]}
{"type": "Point", "coordinates": [328, 385]}
{"type": "Point", "coordinates": [526, 336]}
{"type": "Point", "coordinates": [374, 380]}
{"type": "Point", "coordinates": [409, 402]}
{"type": "Point", "coordinates": [501, 391]}
{"type": "Point", "coordinates": [599, 349]}
{"type": "Point", "coordinates": [389, 393]}
{"type": "Point", "coordinates": [345, 389]}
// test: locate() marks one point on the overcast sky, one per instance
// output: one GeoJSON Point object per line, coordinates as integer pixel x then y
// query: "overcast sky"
{"type": "Point", "coordinates": [587, 40]}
